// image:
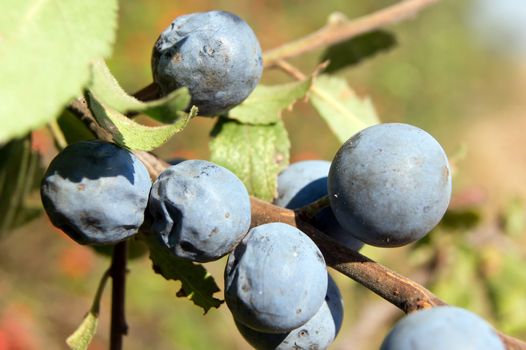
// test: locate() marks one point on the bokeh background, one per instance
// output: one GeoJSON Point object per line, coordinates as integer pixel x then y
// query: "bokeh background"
{"type": "Point", "coordinates": [457, 70]}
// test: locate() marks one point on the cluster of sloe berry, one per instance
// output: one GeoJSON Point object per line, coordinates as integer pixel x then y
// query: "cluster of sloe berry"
{"type": "Point", "coordinates": [99, 193]}
{"type": "Point", "coordinates": [385, 182]}
{"type": "Point", "coordinates": [388, 185]}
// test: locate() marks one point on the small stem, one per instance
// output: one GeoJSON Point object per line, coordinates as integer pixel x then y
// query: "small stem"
{"type": "Point", "coordinates": [95, 307]}
{"type": "Point", "coordinates": [58, 135]}
{"type": "Point", "coordinates": [118, 326]}
{"type": "Point", "coordinates": [337, 31]}
{"type": "Point", "coordinates": [290, 70]}
{"type": "Point", "coordinates": [310, 210]}
{"type": "Point", "coordinates": [148, 93]}
{"type": "Point", "coordinates": [80, 109]}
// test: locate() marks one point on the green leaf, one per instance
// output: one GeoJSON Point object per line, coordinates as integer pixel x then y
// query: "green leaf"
{"type": "Point", "coordinates": [131, 134]}
{"type": "Point", "coordinates": [82, 336]}
{"type": "Point", "coordinates": [344, 112]}
{"type": "Point", "coordinates": [266, 103]}
{"type": "Point", "coordinates": [106, 89]}
{"type": "Point", "coordinates": [20, 175]}
{"type": "Point", "coordinates": [45, 53]}
{"type": "Point", "coordinates": [255, 153]}
{"type": "Point", "coordinates": [196, 283]}
{"type": "Point", "coordinates": [355, 50]}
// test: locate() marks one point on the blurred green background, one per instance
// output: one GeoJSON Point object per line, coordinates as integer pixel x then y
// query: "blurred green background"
{"type": "Point", "coordinates": [457, 70]}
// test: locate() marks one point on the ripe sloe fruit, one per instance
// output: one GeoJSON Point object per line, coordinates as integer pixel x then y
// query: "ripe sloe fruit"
{"type": "Point", "coordinates": [275, 279]}
{"type": "Point", "coordinates": [442, 328]}
{"type": "Point", "coordinates": [390, 184]}
{"type": "Point", "coordinates": [318, 333]}
{"type": "Point", "coordinates": [96, 192]}
{"type": "Point", "coordinates": [304, 182]}
{"type": "Point", "coordinates": [201, 210]}
{"type": "Point", "coordinates": [215, 54]}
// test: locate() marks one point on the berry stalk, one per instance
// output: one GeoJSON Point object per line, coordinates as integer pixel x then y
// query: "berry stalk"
{"type": "Point", "coordinates": [118, 327]}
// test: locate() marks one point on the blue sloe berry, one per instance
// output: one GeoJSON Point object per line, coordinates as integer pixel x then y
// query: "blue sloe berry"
{"type": "Point", "coordinates": [318, 333]}
{"type": "Point", "coordinates": [390, 184]}
{"type": "Point", "coordinates": [200, 210]}
{"type": "Point", "coordinates": [275, 279]}
{"type": "Point", "coordinates": [215, 54]}
{"type": "Point", "coordinates": [96, 192]}
{"type": "Point", "coordinates": [442, 328]}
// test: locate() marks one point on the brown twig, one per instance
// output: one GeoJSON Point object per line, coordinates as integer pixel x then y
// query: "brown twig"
{"type": "Point", "coordinates": [118, 326]}
{"type": "Point", "coordinates": [290, 69]}
{"type": "Point", "coordinates": [342, 29]}
{"type": "Point", "coordinates": [80, 109]}
{"type": "Point", "coordinates": [309, 211]}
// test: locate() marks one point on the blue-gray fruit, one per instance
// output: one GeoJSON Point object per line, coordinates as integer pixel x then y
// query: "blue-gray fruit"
{"type": "Point", "coordinates": [96, 192]}
{"type": "Point", "coordinates": [442, 328]}
{"type": "Point", "coordinates": [318, 333]}
{"type": "Point", "coordinates": [275, 279]}
{"type": "Point", "coordinates": [215, 54]}
{"type": "Point", "coordinates": [200, 210]}
{"type": "Point", "coordinates": [304, 182]}
{"type": "Point", "coordinates": [390, 184]}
